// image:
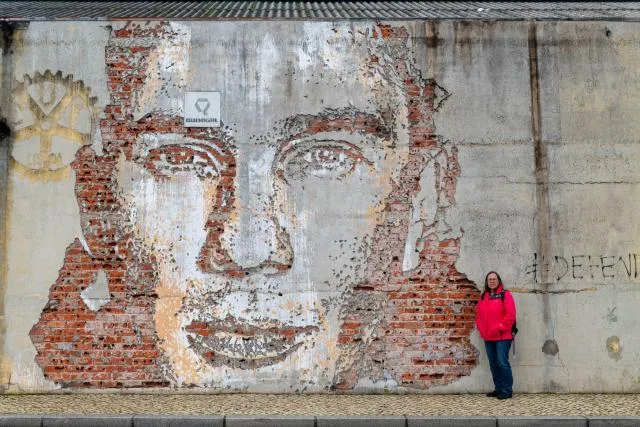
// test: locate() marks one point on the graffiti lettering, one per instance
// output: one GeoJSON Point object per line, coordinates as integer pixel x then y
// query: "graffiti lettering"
{"type": "Point", "coordinates": [583, 267]}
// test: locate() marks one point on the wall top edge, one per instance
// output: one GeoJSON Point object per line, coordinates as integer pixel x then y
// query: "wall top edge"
{"type": "Point", "coordinates": [178, 19]}
{"type": "Point", "coordinates": [318, 10]}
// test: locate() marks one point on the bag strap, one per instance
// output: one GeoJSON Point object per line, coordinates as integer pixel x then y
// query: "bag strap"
{"type": "Point", "coordinates": [513, 339]}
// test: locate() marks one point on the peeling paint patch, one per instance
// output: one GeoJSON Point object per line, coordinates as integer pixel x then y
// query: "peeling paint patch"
{"type": "Point", "coordinates": [614, 347]}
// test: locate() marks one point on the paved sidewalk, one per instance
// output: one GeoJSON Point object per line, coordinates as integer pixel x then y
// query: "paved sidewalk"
{"type": "Point", "coordinates": [265, 405]}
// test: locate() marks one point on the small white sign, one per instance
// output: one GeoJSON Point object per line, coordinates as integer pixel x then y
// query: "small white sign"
{"type": "Point", "coordinates": [202, 109]}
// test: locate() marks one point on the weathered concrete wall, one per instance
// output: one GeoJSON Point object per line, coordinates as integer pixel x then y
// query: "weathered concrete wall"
{"type": "Point", "coordinates": [334, 232]}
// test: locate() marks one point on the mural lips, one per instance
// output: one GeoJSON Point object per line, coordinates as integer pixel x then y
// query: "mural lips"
{"type": "Point", "coordinates": [235, 343]}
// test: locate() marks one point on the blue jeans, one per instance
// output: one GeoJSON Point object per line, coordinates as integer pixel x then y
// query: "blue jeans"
{"type": "Point", "coordinates": [498, 355]}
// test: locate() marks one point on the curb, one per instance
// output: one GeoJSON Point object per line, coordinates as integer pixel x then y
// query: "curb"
{"type": "Point", "coordinates": [310, 421]}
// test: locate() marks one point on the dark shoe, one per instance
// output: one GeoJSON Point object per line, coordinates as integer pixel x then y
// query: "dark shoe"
{"type": "Point", "coordinates": [504, 396]}
{"type": "Point", "coordinates": [492, 394]}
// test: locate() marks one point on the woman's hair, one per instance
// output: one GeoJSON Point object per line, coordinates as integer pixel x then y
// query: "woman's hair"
{"type": "Point", "coordinates": [486, 283]}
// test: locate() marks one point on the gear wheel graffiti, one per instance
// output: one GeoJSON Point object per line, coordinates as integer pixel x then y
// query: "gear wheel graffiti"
{"type": "Point", "coordinates": [52, 118]}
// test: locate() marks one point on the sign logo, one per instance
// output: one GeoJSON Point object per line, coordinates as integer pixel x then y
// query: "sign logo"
{"type": "Point", "coordinates": [202, 105]}
{"type": "Point", "coordinates": [202, 109]}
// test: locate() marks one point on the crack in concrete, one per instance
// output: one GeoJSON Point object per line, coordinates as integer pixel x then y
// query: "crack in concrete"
{"type": "Point", "coordinates": [516, 182]}
{"type": "Point", "coordinates": [548, 292]}
{"type": "Point", "coordinates": [594, 182]}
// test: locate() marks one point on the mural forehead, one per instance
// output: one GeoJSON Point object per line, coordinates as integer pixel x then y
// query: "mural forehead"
{"type": "Point", "coordinates": [308, 68]}
{"type": "Point", "coordinates": [283, 244]}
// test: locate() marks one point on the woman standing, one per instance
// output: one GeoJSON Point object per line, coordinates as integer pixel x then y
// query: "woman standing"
{"type": "Point", "coordinates": [495, 316]}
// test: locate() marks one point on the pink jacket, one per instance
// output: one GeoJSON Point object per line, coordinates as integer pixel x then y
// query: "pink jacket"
{"type": "Point", "coordinates": [494, 317]}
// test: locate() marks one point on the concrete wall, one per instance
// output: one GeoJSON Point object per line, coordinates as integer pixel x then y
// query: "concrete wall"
{"type": "Point", "coordinates": [333, 233]}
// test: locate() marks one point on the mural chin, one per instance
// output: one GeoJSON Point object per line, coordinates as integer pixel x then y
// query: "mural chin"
{"type": "Point", "coordinates": [215, 350]}
{"type": "Point", "coordinates": [207, 334]}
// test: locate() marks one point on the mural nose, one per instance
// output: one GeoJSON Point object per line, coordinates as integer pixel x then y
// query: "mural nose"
{"type": "Point", "coordinates": [246, 238]}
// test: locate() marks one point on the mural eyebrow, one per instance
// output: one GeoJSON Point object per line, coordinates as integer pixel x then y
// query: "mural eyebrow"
{"type": "Point", "coordinates": [331, 120]}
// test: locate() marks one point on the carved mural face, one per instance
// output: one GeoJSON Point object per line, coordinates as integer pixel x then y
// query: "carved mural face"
{"type": "Point", "coordinates": [253, 275]}
{"type": "Point", "coordinates": [302, 246]}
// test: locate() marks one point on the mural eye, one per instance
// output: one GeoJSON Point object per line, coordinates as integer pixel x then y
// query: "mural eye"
{"type": "Point", "coordinates": [332, 160]}
{"type": "Point", "coordinates": [181, 161]}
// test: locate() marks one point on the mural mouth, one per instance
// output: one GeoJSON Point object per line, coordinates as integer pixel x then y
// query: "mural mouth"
{"type": "Point", "coordinates": [234, 343]}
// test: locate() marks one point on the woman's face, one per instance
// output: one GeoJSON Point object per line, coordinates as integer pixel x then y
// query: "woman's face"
{"type": "Point", "coordinates": [493, 281]}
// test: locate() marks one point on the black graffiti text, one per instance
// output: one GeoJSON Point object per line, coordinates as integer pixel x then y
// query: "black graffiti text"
{"type": "Point", "coordinates": [583, 267]}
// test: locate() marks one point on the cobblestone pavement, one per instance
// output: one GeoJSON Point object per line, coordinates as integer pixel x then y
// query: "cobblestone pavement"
{"type": "Point", "coordinates": [323, 405]}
